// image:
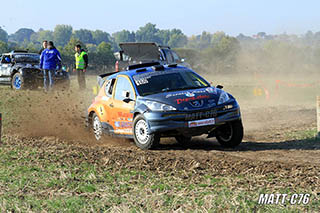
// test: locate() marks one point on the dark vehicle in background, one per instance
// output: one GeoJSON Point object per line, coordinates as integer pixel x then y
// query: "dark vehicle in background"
{"type": "Point", "coordinates": [21, 70]}
{"type": "Point", "coordinates": [136, 53]}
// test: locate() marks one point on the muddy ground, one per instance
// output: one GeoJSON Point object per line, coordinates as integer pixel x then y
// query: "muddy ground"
{"type": "Point", "coordinates": [279, 138]}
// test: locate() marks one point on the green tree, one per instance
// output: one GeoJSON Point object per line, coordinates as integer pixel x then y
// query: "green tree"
{"type": "Point", "coordinates": [177, 39]}
{"type": "Point", "coordinates": [124, 36]}
{"type": "Point", "coordinates": [105, 53]}
{"type": "Point", "coordinates": [3, 47]}
{"type": "Point", "coordinates": [84, 35]}
{"type": "Point", "coordinates": [62, 34]}
{"type": "Point", "coordinates": [164, 36]}
{"type": "Point", "coordinates": [148, 33]}
{"type": "Point", "coordinates": [21, 35]}
{"type": "Point", "coordinates": [3, 35]}
{"type": "Point", "coordinates": [45, 35]}
{"type": "Point", "coordinates": [100, 36]}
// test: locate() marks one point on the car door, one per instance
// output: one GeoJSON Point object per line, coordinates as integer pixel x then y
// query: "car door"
{"type": "Point", "coordinates": [1, 74]}
{"type": "Point", "coordinates": [122, 110]}
{"type": "Point", "coordinates": [106, 106]}
{"type": "Point", "coordinates": [5, 69]}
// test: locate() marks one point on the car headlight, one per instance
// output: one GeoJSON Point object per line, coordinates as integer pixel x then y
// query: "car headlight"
{"type": "Point", "coordinates": [156, 106]}
{"type": "Point", "coordinates": [224, 97]}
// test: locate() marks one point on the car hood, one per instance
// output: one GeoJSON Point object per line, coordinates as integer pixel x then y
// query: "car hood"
{"type": "Point", "coordinates": [141, 51]}
{"type": "Point", "coordinates": [188, 99]}
{"type": "Point", "coordinates": [27, 65]}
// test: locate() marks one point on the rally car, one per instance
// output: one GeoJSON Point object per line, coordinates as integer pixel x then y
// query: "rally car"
{"type": "Point", "coordinates": [20, 69]}
{"type": "Point", "coordinates": [150, 101]}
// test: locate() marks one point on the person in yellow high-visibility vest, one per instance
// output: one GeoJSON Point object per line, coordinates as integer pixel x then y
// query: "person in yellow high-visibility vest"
{"type": "Point", "coordinates": [81, 65]}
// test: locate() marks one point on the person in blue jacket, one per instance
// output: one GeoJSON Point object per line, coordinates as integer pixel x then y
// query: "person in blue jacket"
{"type": "Point", "coordinates": [50, 59]}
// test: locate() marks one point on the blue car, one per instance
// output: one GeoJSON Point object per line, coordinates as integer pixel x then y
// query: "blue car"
{"type": "Point", "coordinates": [150, 101]}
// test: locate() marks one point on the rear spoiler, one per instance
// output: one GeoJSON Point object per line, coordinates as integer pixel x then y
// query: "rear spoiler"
{"type": "Point", "coordinates": [137, 66]}
{"type": "Point", "coordinates": [101, 77]}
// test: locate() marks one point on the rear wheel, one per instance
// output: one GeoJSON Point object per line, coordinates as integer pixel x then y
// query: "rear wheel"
{"type": "Point", "coordinates": [17, 82]}
{"type": "Point", "coordinates": [97, 127]}
{"type": "Point", "coordinates": [230, 135]}
{"type": "Point", "coordinates": [142, 138]}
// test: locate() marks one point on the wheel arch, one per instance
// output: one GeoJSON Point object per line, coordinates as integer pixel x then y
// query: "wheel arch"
{"type": "Point", "coordinates": [14, 71]}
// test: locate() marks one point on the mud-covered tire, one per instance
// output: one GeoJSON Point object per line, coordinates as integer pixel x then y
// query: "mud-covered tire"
{"type": "Point", "coordinates": [183, 140]}
{"type": "Point", "coordinates": [141, 135]}
{"type": "Point", "coordinates": [230, 135]}
{"type": "Point", "coordinates": [17, 81]}
{"type": "Point", "coordinates": [96, 127]}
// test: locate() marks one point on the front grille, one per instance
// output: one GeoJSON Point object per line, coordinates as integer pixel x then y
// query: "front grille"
{"type": "Point", "coordinates": [196, 115]}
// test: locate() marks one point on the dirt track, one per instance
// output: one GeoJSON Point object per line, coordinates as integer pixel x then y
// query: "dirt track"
{"type": "Point", "coordinates": [61, 115]}
{"type": "Point", "coordinates": [272, 128]}
{"type": "Point", "coordinates": [265, 151]}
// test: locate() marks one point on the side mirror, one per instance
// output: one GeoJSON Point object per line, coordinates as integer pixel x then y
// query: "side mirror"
{"type": "Point", "coordinates": [219, 86]}
{"type": "Point", "coordinates": [126, 95]}
{"type": "Point", "coordinates": [127, 100]}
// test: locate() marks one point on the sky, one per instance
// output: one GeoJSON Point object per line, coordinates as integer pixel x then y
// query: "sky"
{"type": "Point", "coordinates": [192, 17]}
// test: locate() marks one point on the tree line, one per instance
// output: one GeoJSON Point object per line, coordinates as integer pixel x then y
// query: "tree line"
{"type": "Point", "coordinates": [208, 52]}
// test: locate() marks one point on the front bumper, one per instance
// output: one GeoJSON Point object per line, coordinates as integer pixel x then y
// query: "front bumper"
{"type": "Point", "coordinates": [171, 123]}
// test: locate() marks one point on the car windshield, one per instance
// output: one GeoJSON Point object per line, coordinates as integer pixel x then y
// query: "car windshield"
{"type": "Point", "coordinates": [165, 81]}
{"type": "Point", "coordinates": [27, 58]}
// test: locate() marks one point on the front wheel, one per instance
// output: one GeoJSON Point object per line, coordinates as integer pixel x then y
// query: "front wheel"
{"type": "Point", "coordinates": [230, 135]}
{"type": "Point", "coordinates": [142, 138]}
{"type": "Point", "coordinates": [17, 82]}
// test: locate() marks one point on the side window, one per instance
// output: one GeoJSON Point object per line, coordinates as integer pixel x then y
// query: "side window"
{"type": "Point", "coordinates": [109, 87]}
{"type": "Point", "coordinates": [6, 59]}
{"type": "Point", "coordinates": [176, 58]}
{"type": "Point", "coordinates": [168, 56]}
{"type": "Point", "coordinates": [122, 88]}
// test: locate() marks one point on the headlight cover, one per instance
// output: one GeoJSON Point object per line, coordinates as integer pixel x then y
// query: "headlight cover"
{"type": "Point", "coordinates": [224, 97]}
{"type": "Point", "coordinates": [156, 106]}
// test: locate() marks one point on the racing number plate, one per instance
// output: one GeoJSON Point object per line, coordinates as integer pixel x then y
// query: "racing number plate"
{"type": "Point", "coordinates": [205, 122]}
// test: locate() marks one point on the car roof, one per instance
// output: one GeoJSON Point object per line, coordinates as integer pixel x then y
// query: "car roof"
{"type": "Point", "coordinates": [19, 53]}
{"type": "Point", "coordinates": [143, 70]}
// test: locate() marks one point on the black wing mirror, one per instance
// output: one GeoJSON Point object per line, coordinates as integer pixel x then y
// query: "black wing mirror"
{"type": "Point", "coordinates": [219, 86]}
{"type": "Point", "coordinates": [127, 98]}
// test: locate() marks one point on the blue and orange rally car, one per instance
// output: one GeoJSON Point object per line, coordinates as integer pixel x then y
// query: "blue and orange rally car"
{"type": "Point", "coordinates": [149, 101]}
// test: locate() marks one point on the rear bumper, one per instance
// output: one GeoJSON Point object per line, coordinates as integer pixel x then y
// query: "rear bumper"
{"type": "Point", "coordinates": [178, 122]}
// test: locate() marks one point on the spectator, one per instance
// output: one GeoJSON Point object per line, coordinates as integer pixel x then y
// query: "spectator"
{"type": "Point", "coordinates": [44, 46]}
{"type": "Point", "coordinates": [50, 59]}
{"type": "Point", "coordinates": [81, 58]}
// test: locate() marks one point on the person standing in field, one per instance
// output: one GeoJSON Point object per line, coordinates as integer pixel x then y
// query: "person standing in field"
{"type": "Point", "coordinates": [50, 59]}
{"type": "Point", "coordinates": [81, 58]}
{"type": "Point", "coordinates": [44, 46]}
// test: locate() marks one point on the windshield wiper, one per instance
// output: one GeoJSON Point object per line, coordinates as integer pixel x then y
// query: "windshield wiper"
{"type": "Point", "coordinates": [183, 88]}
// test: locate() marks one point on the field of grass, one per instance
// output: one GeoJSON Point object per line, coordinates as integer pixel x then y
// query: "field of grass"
{"type": "Point", "coordinates": [63, 178]}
